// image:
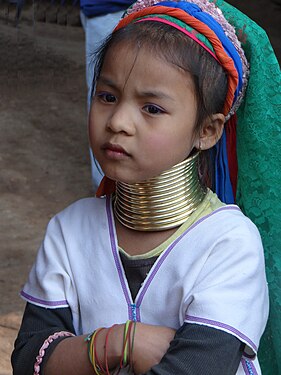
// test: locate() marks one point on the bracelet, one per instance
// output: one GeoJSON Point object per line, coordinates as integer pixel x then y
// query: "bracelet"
{"type": "Point", "coordinates": [98, 365]}
{"type": "Point", "coordinates": [126, 357]}
{"type": "Point", "coordinates": [107, 371]}
{"type": "Point", "coordinates": [91, 340]}
{"type": "Point", "coordinates": [45, 346]}
{"type": "Point", "coordinates": [126, 344]}
{"type": "Point", "coordinates": [132, 348]}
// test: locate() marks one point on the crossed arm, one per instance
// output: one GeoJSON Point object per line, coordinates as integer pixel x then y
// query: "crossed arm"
{"type": "Point", "coordinates": [193, 349]}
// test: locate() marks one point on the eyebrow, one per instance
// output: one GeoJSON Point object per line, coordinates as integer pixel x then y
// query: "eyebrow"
{"type": "Point", "coordinates": [156, 94]}
{"type": "Point", "coordinates": [107, 82]}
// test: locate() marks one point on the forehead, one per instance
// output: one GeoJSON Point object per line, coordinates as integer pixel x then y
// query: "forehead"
{"type": "Point", "coordinates": [126, 60]}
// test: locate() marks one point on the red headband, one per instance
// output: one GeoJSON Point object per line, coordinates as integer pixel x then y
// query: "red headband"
{"type": "Point", "coordinates": [225, 61]}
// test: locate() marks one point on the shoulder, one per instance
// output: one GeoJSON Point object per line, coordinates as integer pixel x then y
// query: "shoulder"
{"type": "Point", "coordinates": [231, 217]}
{"type": "Point", "coordinates": [227, 234]}
{"type": "Point", "coordinates": [79, 216]}
{"type": "Point", "coordinates": [227, 221]}
{"type": "Point", "coordinates": [87, 203]}
{"type": "Point", "coordinates": [82, 207]}
{"type": "Point", "coordinates": [235, 240]}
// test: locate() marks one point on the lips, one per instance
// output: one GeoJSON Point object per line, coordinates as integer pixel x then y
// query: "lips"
{"type": "Point", "coordinates": [114, 150]}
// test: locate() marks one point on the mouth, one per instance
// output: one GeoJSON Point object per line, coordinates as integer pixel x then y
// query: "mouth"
{"type": "Point", "coordinates": [114, 151]}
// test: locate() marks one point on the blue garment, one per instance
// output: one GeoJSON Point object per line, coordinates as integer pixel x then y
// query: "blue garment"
{"type": "Point", "coordinates": [223, 186]}
{"type": "Point", "coordinates": [94, 8]}
{"type": "Point", "coordinates": [208, 20]}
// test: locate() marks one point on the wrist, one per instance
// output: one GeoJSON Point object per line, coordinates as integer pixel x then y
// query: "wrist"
{"type": "Point", "coordinates": [110, 348]}
{"type": "Point", "coordinates": [105, 348]}
{"type": "Point", "coordinates": [114, 344]}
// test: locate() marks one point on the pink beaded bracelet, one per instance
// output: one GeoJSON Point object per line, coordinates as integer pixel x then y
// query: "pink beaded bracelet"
{"type": "Point", "coordinates": [45, 346]}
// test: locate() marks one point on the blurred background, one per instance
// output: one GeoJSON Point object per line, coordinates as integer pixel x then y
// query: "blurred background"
{"type": "Point", "coordinates": [44, 159]}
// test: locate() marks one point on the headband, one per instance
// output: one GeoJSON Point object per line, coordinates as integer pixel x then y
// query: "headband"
{"type": "Point", "coordinates": [207, 20]}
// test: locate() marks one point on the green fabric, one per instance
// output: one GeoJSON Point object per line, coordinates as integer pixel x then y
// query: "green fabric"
{"type": "Point", "coordinates": [259, 166]}
{"type": "Point", "coordinates": [180, 23]}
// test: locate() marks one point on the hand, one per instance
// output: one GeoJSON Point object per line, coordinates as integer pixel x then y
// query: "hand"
{"type": "Point", "coordinates": [150, 345]}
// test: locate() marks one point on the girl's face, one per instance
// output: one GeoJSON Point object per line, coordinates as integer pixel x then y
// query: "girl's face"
{"type": "Point", "coordinates": [142, 117]}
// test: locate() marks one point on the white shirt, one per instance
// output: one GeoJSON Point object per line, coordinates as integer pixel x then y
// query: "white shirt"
{"type": "Point", "coordinates": [212, 274]}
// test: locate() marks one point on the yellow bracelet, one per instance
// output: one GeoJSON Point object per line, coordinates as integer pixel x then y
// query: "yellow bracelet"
{"type": "Point", "coordinates": [90, 339]}
{"type": "Point", "coordinates": [126, 343]}
{"type": "Point", "coordinates": [132, 347]}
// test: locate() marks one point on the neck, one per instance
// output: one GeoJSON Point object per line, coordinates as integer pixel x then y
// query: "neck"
{"type": "Point", "coordinates": [162, 202]}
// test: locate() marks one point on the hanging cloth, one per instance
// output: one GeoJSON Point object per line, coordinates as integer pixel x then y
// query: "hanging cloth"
{"type": "Point", "coordinates": [259, 166]}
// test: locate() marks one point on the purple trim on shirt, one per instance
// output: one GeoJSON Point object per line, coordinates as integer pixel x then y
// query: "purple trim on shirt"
{"type": "Point", "coordinates": [116, 258]}
{"type": "Point", "coordinates": [170, 248]}
{"type": "Point", "coordinates": [222, 325]}
{"type": "Point", "coordinates": [248, 367]}
{"type": "Point", "coordinates": [43, 302]}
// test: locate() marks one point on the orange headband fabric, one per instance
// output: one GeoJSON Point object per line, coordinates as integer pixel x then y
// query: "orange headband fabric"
{"type": "Point", "coordinates": [225, 61]}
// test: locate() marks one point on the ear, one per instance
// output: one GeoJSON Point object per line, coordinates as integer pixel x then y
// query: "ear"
{"type": "Point", "coordinates": [210, 132]}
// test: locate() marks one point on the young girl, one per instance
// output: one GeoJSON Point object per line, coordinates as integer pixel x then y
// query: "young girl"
{"type": "Point", "coordinates": [155, 275]}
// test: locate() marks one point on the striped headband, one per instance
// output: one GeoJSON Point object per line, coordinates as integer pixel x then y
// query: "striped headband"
{"type": "Point", "coordinates": [206, 20]}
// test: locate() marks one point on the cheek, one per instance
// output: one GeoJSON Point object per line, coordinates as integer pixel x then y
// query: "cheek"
{"type": "Point", "coordinates": [161, 149]}
{"type": "Point", "coordinates": [93, 130]}
{"type": "Point", "coordinates": [94, 121]}
{"type": "Point", "coordinates": [156, 143]}
{"type": "Point", "coordinates": [168, 141]}
{"type": "Point", "coordinates": [170, 147]}
{"type": "Point", "coordinates": [90, 128]}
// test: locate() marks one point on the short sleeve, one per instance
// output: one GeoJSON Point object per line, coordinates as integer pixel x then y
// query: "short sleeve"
{"type": "Point", "coordinates": [230, 292]}
{"type": "Point", "coordinates": [50, 280]}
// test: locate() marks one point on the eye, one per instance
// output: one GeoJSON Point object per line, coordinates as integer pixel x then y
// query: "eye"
{"type": "Point", "coordinates": [106, 97]}
{"type": "Point", "coordinates": [153, 109]}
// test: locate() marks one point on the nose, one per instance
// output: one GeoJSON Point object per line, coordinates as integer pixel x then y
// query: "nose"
{"type": "Point", "coordinates": [122, 119]}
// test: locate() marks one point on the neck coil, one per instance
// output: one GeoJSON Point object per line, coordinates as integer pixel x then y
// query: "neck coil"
{"type": "Point", "coordinates": [162, 202]}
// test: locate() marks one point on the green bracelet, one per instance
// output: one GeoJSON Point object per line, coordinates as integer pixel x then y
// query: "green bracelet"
{"type": "Point", "coordinates": [125, 355]}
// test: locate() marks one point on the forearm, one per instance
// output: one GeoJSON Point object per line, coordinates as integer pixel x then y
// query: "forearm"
{"type": "Point", "coordinates": [71, 356]}
{"type": "Point", "coordinates": [150, 344]}
{"type": "Point", "coordinates": [38, 326]}
{"type": "Point", "coordinates": [198, 350]}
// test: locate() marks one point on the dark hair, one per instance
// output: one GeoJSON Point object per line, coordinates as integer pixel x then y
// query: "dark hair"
{"type": "Point", "coordinates": [165, 41]}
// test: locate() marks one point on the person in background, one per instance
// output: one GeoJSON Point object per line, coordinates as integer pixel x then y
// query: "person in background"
{"type": "Point", "coordinates": [98, 18]}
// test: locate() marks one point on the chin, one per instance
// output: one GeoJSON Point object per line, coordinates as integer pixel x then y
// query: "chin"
{"type": "Point", "coordinates": [129, 178]}
{"type": "Point", "coordinates": [131, 181]}
{"type": "Point", "coordinates": [124, 179]}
